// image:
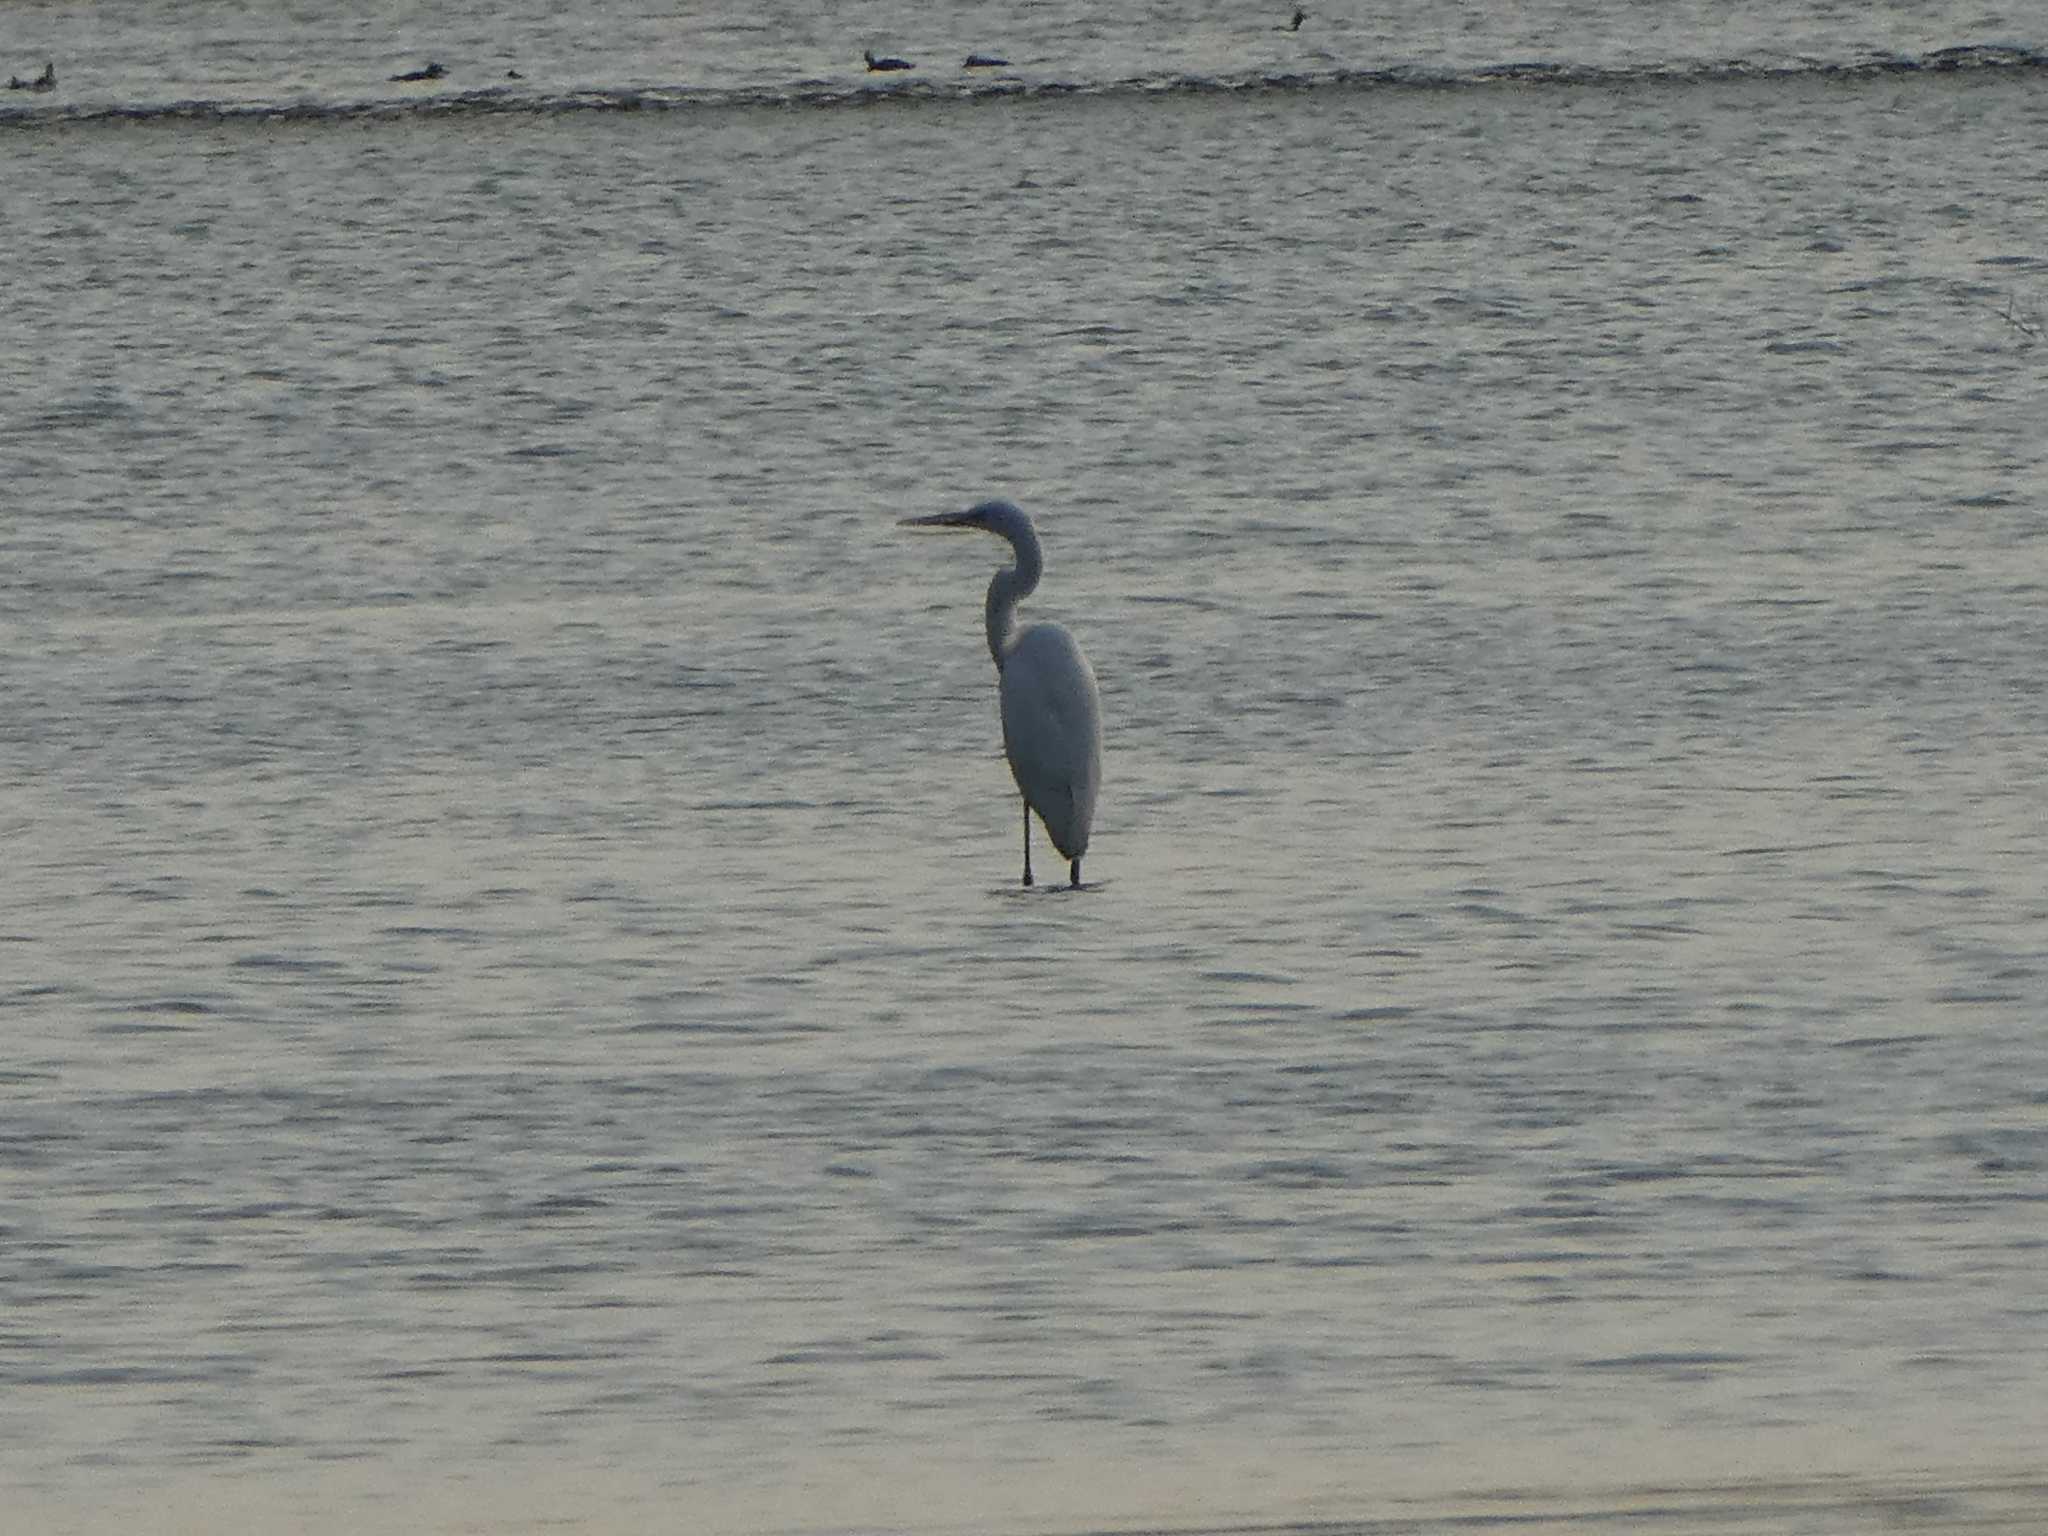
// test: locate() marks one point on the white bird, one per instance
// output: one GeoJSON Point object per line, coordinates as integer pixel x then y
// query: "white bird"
{"type": "Point", "coordinates": [1052, 715]}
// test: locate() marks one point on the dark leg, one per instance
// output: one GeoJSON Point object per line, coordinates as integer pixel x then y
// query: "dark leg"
{"type": "Point", "coordinates": [1027, 842]}
{"type": "Point", "coordinates": [1074, 872]}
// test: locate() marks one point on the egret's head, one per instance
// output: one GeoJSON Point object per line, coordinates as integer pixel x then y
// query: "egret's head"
{"type": "Point", "coordinates": [994, 516]}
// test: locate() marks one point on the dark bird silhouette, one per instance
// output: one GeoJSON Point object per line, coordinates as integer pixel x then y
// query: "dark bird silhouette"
{"type": "Point", "coordinates": [985, 61]}
{"type": "Point", "coordinates": [46, 81]}
{"type": "Point", "coordinates": [431, 72]}
{"type": "Point", "coordinates": [1294, 25]}
{"type": "Point", "coordinates": [513, 74]}
{"type": "Point", "coordinates": [881, 65]}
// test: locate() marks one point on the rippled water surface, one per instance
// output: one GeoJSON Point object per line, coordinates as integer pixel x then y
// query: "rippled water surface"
{"type": "Point", "coordinates": [518, 1011]}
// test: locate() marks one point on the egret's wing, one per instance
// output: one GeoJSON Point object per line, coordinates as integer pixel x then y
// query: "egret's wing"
{"type": "Point", "coordinates": [1052, 731]}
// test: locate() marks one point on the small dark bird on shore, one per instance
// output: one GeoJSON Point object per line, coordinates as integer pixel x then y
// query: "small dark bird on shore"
{"type": "Point", "coordinates": [985, 61]}
{"type": "Point", "coordinates": [881, 65]}
{"type": "Point", "coordinates": [1294, 25]}
{"type": "Point", "coordinates": [46, 81]}
{"type": "Point", "coordinates": [431, 72]}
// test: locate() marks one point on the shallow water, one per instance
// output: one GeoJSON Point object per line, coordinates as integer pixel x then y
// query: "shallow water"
{"type": "Point", "coordinates": [519, 1009]}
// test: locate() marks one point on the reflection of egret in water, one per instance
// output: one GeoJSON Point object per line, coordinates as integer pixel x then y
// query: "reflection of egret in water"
{"type": "Point", "coordinates": [1052, 717]}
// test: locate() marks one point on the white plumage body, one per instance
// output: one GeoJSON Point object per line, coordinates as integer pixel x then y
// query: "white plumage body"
{"type": "Point", "coordinates": [1052, 732]}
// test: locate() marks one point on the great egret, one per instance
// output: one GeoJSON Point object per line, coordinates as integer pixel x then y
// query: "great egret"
{"type": "Point", "coordinates": [1052, 717]}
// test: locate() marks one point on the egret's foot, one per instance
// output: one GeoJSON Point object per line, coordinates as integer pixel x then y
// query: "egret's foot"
{"type": "Point", "coordinates": [1074, 874]}
{"type": "Point", "coordinates": [1027, 879]}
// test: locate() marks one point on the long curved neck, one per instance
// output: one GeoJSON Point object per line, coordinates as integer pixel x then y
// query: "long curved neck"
{"type": "Point", "coordinates": [1010, 584]}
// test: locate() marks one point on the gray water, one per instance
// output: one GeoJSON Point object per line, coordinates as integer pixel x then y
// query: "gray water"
{"type": "Point", "coordinates": [518, 1011]}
